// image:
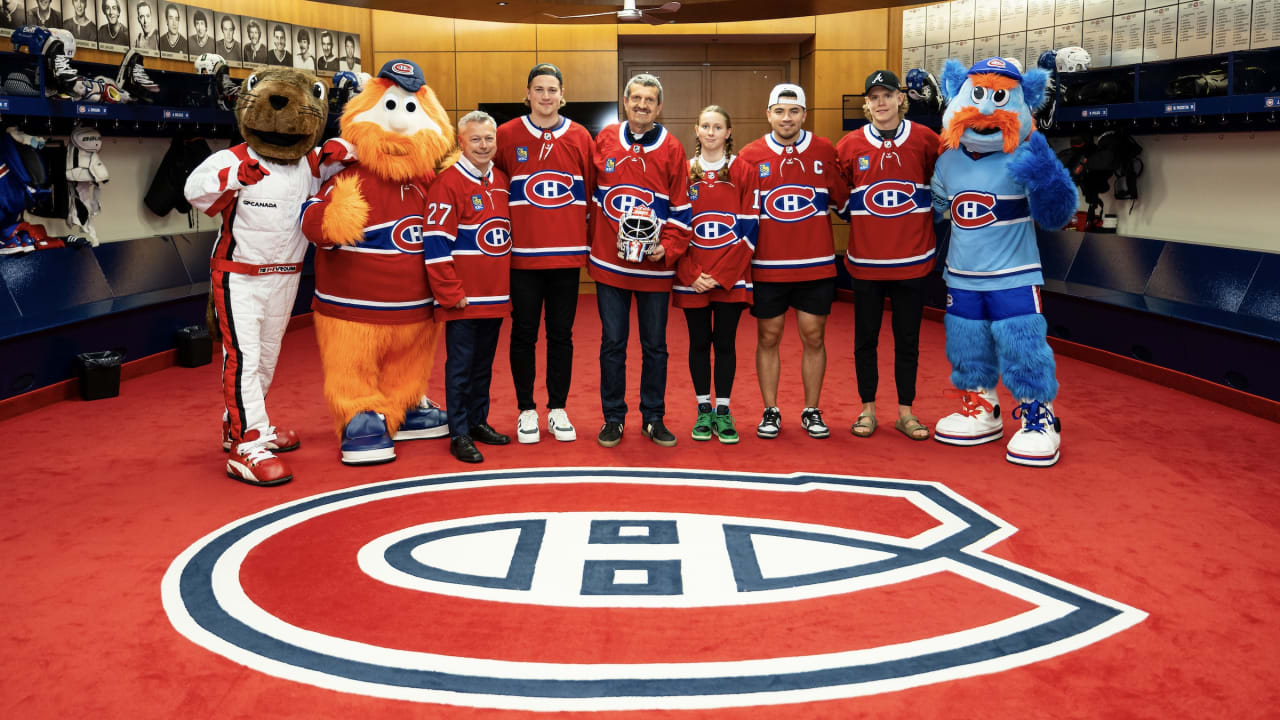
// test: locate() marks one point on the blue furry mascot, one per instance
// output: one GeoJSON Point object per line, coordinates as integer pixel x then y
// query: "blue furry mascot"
{"type": "Point", "coordinates": [995, 176]}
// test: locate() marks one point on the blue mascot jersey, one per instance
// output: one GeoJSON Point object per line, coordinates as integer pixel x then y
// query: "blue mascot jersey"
{"type": "Point", "coordinates": [993, 239]}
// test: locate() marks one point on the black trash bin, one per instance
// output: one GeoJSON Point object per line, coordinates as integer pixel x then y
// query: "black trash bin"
{"type": "Point", "coordinates": [195, 348]}
{"type": "Point", "coordinates": [100, 374]}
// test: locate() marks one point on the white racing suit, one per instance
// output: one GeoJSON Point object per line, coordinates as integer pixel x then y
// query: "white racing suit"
{"type": "Point", "coordinates": [254, 268]}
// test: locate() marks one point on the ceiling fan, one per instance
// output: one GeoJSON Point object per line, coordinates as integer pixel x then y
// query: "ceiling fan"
{"type": "Point", "coordinates": [630, 12]}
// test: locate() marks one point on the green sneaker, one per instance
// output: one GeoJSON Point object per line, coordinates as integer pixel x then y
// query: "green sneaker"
{"type": "Point", "coordinates": [722, 423]}
{"type": "Point", "coordinates": [702, 427]}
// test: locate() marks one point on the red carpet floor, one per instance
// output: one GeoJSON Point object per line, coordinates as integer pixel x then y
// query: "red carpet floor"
{"type": "Point", "coordinates": [1162, 502]}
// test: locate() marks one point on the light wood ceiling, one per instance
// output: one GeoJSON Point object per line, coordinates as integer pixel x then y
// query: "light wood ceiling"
{"type": "Point", "coordinates": [692, 11]}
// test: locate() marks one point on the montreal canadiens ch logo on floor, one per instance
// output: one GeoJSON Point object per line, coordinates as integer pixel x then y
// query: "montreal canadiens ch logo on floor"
{"type": "Point", "coordinates": [604, 588]}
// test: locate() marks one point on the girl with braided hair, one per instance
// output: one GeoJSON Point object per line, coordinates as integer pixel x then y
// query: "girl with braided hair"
{"type": "Point", "coordinates": [713, 280]}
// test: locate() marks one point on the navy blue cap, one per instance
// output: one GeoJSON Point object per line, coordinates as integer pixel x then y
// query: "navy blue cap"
{"type": "Point", "coordinates": [404, 73]}
{"type": "Point", "coordinates": [995, 66]}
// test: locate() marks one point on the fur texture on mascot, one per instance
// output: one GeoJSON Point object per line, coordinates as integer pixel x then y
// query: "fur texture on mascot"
{"type": "Point", "coordinates": [259, 187]}
{"type": "Point", "coordinates": [373, 307]}
{"type": "Point", "coordinates": [997, 178]}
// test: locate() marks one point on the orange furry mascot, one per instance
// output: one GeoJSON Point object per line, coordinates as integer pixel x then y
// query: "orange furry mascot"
{"type": "Point", "coordinates": [373, 306]}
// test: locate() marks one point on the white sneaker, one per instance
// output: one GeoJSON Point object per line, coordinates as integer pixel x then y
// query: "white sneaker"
{"type": "Point", "coordinates": [977, 422]}
{"type": "Point", "coordinates": [559, 425]}
{"type": "Point", "coordinates": [1037, 442]}
{"type": "Point", "coordinates": [527, 427]}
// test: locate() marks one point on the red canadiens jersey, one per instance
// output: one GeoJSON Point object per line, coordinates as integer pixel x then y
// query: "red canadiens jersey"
{"type": "Point", "coordinates": [890, 208]}
{"type": "Point", "coordinates": [721, 246]}
{"type": "Point", "coordinates": [550, 172]}
{"type": "Point", "coordinates": [379, 279]}
{"type": "Point", "coordinates": [791, 187]}
{"type": "Point", "coordinates": [467, 244]}
{"type": "Point", "coordinates": [655, 175]}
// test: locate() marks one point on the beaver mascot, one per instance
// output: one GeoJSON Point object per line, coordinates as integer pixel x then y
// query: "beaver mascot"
{"type": "Point", "coordinates": [373, 305]}
{"type": "Point", "coordinates": [258, 187]}
{"type": "Point", "coordinates": [998, 178]}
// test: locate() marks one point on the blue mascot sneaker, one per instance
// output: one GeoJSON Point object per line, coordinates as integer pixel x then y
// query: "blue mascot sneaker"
{"type": "Point", "coordinates": [365, 440]}
{"type": "Point", "coordinates": [427, 420]}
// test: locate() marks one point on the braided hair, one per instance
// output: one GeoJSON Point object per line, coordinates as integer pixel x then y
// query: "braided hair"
{"type": "Point", "coordinates": [695, 168]}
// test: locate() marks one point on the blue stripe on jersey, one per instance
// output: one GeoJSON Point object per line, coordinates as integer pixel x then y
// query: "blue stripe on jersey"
{"type": "Point", "coordinates": [791, 264]}
{"type": "Point", "coordinates": [927, 257]}
{"type": "Point", "coordinates": [890, 199]}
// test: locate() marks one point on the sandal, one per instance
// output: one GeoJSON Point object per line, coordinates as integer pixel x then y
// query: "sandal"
{"type": "Point", "coordinates": [911, 426]}
{"type": "Point", "coordinates": [865, 426]}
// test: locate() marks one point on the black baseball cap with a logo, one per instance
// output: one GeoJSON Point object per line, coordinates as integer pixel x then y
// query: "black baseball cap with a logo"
{"type": "Point", "coordinates": [884, 79]}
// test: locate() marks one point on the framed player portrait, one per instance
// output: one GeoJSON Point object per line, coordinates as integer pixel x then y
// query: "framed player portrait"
{"type": "Point", "coordinates": [304, 48]}
{"type": "Point", "coordinates": [327, 51]}
{"type": "Point", "coordinates": [227, 39]}
{"type": "Point", "coordinates": [349, 59]}
{"type": "Point", "coordinates": [13, 15]}
{"type": "Point", "coordinates": [173, 31]}
{"type": "Point", "coordinates": [45, 13]}
{"type": "Point", "coordinates": [144, 36]}
{"type": "Point", "coordinates": [113, 25]}
{"type": "Point", "coordinates": [200, 38]}
{"type": "Point", "coordinates": [80, 20]}
{"type": "Point", "coordinates": [254, 32]}
{"type": "Point", "coordinates": [280, 45]}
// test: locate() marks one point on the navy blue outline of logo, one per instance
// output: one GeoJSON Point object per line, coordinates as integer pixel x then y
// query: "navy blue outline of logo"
{"type": "Point", "coordinates": [193, 608]}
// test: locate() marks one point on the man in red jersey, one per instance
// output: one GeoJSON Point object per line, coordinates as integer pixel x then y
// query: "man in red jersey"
{"type": "Point", "coordinates": [467, 248]}
{"type": "Point", "coordinates": [888, 164]}
{"type": "Point", "coordinates": [638, 164]}
{"type": "Point", "coordinates": [790, 177]}
{"type": "Point", "coordinates": [548, 158]}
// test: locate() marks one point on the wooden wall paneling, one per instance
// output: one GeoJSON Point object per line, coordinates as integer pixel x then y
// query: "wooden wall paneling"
{"type": "Point", "coordinates": [492, 77]}
{"type": "Point", "coordinates": [438, 67]}
{"type": "Point", "coordinates": [804, 25]}
{"type": "Point", "coordinates": [827, 122]}
{"type": "Point", "coordinates": [588, 76]}
{"type": "Point", "coordinates": [842, 72]}
{"type": "Point", "coordinates": [718, 52]}
{"type": "Point", "coordinates": [577, 37]}
{"type": "Point", "coordinates": [676, 29]}
{"type": "Point", "coordinates": [404, 32]}
{"type": "Point", "coordinates": [652, 53]}
{"type": "Point", "coordinates": [476, 36]}
{"type": "Point", "coordinates": [861, 30]}
{"type": "Point", "coordinates": [744, 92]}
{"type": "Point", "coordinates": [807, 75]}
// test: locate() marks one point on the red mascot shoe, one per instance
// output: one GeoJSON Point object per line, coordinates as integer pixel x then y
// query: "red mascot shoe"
{"type": "Point", "coordinates": [251, 462]}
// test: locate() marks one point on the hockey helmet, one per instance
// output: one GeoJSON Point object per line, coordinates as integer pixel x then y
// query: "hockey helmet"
{"type": "Point", "coordinates": [922, 87]}
{"type": "Point", "coordinates": [31, 37]}
{"type": "Point", "coordinates": [64, 36]}
{"type": "Point", "coordinates": [1048, 60]}
{"type": "Point", "coordinates": [1073, 59]}
{"type": "Point", "coordinates": [637, 233]}
{"type": "Point", "coordinates": [1015, 62]}
{"type": "Point", "coordinates": [208, 63]}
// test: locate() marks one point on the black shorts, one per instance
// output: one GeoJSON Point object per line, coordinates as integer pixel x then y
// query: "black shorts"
{"type": "Point", "coordinates": [771, 299]}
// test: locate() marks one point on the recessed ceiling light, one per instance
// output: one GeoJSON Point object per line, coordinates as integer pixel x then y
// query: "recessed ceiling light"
{"type": "Point", "coordinates": [502, 4]}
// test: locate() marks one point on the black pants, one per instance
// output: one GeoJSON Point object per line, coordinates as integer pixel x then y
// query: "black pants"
{"type": "Point", "coordinates": [468, 371]}
{"type": "Point", "coordinates": [716, 324]}
{"type": "Point", "coordinates": [868, 312]}
{"type": "Point", "coordinates": [557, 289]}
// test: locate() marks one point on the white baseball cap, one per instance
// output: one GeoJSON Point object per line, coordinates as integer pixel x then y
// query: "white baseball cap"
{"type": "Point", "coordinates": [789, 88]}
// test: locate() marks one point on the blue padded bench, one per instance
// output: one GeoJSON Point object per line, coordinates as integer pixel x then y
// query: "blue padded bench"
{"type": "Point", "coordinates": [1208, 311]}
{"type": "Point", "coordinates": [130, 296]}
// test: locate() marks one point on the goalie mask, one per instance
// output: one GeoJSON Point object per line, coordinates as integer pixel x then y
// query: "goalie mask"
{"type": "Point", "coordinates": [922, 89]}
{"type": "Point", "coordinates": [637, 233]}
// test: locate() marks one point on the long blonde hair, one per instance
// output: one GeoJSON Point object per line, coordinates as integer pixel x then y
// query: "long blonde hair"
{"type": "Point", "coordinates": [695, 168]}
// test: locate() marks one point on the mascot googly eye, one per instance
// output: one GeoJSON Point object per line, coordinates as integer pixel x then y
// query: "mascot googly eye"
{"type": "Point", "coordinates": [317, 91]}
{"type": "Point", "coordinates": [251, 82]}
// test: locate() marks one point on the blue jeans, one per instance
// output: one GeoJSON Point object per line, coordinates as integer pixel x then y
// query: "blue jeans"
{"type": "Point", "coordinates": [468, 371]}
{"type": "Point", "coordinates": [615, 328]}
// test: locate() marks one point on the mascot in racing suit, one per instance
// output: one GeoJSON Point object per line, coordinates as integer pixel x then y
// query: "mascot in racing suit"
{"type": "Point", "coordinates": [373, 306]}
{"type": "Point", "coordinates": [258, 187]}
{"type": "Point", "coordinates": [996, 177]}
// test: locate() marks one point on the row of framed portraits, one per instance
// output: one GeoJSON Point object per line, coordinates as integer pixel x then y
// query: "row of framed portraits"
{"type": "Point", "coordinates": [185, 32]}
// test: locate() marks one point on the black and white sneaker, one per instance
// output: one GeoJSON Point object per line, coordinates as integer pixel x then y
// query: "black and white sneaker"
{"type": "Point", "coordinates": [770, 424]}
{"type": "Point", "coordinates": [610, 435]}
{"type": "Point", "coordinates": [811, 420]}
{"type": "Point", "coordinates": [658, 432]}
{"type": "Point", "coordinates": [133, 76]}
